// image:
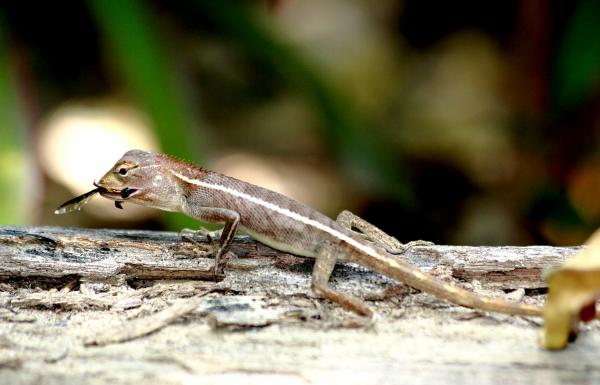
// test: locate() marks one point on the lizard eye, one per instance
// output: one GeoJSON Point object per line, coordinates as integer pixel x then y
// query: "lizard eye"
{"type": "Point", "coordinates": [122, 171]}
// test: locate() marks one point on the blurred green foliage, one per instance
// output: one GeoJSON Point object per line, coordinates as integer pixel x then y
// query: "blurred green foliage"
{"type": "Point", "coordinates": [143, 61]}
{"type": "Point", "coordinates": [577, 72]}
{"type": "Point", "coordinates": [365, 156]}
{"type": "Point", "coordinates": [13, 154]}
{"type": "Point", "coordinates": [442, 146]}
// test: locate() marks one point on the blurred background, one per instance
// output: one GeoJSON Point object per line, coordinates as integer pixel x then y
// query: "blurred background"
{"type": "Point", "coordinates": [461, 122]}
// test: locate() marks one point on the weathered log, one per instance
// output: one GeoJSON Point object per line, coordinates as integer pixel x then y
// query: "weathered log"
{"type": "Point", "coordinates": [54, 252]}
{"type": "Point", "coordinates": [71, 298]}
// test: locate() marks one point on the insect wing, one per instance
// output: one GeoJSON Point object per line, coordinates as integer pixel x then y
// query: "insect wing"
{"type": "Point", "coordinates": [76, 203]}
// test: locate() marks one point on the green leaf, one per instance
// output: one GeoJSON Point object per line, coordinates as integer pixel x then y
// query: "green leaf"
{"type": "Point", "coordinates": [578, 58]}
{"type": "Point", "coordinates": [13, 161]}
{"type": "Point", "coordinates": [143, 62]}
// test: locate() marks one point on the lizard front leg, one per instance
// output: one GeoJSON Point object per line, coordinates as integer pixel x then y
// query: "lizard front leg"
{"type": "Point", "coordinates": [374, 234]}
{"type": "Point", "coordinates": [325, 261]}
{"type": "Point", "coordinates": [230, 219]}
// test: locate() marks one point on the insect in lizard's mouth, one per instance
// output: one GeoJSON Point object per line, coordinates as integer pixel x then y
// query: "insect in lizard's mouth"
{"type": "Point", "coordinates": [119, 196]}
{"type": "Point", "coordinates": [116, 194]}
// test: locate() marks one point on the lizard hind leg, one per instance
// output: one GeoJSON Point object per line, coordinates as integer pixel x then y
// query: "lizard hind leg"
{"type": "Point", "coordinates": [374, 234]}
{"type": "Point", "coordinates": [324, 263]}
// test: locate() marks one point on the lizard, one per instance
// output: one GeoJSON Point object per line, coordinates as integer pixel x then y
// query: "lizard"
{"type": "Point", "coordinates": [166, 183]}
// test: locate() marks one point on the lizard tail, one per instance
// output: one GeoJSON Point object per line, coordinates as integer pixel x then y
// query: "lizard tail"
{"type": "Point", "coordinates": [412, 276]}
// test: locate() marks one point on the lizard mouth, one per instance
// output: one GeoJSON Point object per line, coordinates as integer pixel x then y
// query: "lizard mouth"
{"type": "Point", "coordinates": [116, 194]}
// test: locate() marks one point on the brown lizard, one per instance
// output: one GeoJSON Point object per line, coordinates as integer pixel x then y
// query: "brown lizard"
{"type": "Point", "coordinates": [162, 182]}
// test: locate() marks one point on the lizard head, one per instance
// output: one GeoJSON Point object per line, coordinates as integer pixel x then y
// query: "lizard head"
{"type": "Point", "coordinates": [143, 178]}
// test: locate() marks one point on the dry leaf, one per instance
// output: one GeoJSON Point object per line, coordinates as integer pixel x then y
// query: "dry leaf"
{"type": "Point", "coordinates": [572, 292]}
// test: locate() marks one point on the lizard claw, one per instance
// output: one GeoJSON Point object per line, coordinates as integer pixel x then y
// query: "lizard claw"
{"type": "Point", "coordinates": [192, 235]}
{"type": "Point", "coordinates": [209, 245]}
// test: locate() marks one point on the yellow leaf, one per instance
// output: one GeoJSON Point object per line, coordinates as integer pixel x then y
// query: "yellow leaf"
{"type": "Point", "coordinates": [572, 292]}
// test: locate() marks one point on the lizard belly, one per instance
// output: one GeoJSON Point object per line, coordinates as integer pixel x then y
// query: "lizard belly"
{"type": "Point", "coordinates": [285, 246]}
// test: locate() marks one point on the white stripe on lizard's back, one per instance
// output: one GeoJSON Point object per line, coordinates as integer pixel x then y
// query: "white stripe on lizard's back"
{"type": "Point", "coordinates": [310, 222]}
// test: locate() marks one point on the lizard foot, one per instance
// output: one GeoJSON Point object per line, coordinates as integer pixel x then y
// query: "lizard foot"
{"type": "Point", "coordinates": [404, 247]}
{"type": "Point", "coordinates": [195, 236]}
